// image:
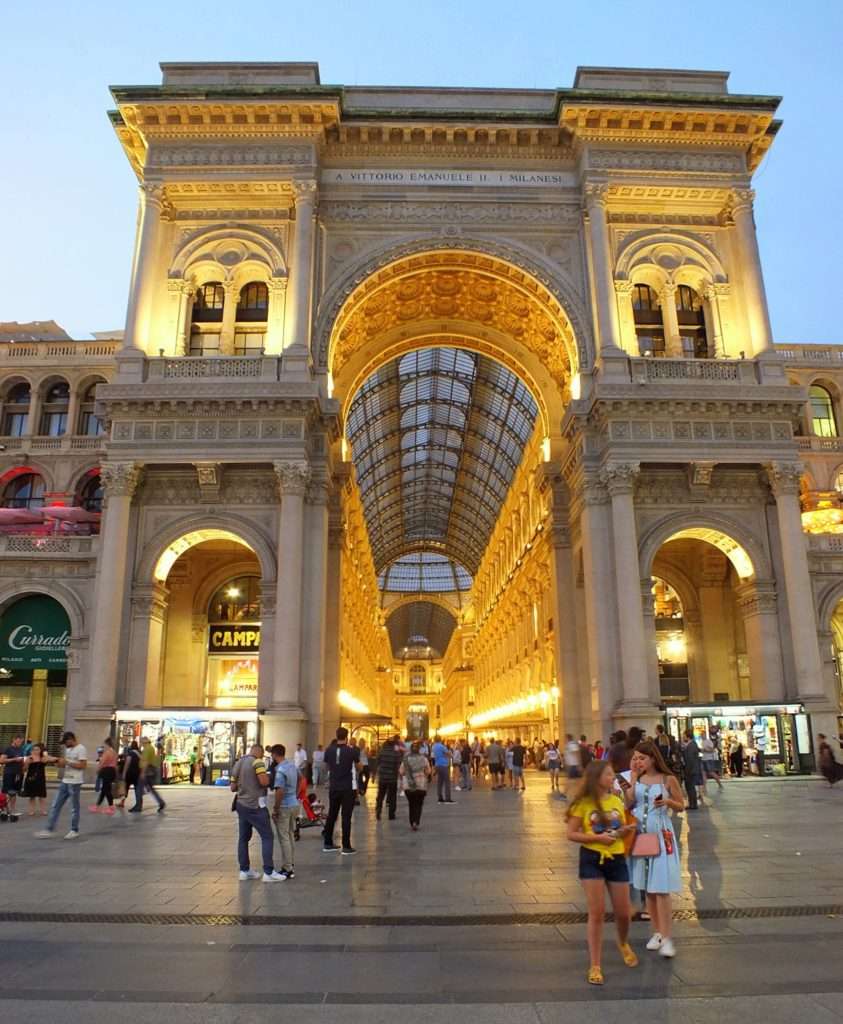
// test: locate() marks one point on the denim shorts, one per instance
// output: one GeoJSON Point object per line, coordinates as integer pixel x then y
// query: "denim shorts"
{"type": "Point", "coordinates": [613, 869]}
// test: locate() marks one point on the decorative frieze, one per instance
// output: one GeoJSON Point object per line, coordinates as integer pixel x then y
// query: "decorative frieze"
{"type": "Point", "coordinates": [658, 160]}
{"type": "Point", "coordinates": [720, 431]}
{"type": "Point", "coordinates": [395, 212]}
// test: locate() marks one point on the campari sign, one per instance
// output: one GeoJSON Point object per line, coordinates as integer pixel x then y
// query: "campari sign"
{"type": "Point", "coordinates": [34, 633]}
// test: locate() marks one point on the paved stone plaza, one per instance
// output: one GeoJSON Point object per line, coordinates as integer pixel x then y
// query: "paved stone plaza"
{"type": "Point", "coordinates": [479, 909]}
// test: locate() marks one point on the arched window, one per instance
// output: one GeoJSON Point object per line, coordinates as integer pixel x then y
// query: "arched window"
{"type": "Point", "coordinates": [649, 327]}
{"type": "Point", "coordinates": [238, 600]}
{"type": "Point", "coordinates": [823, 423]}
{"type": "Point", "coordinates": [16, 410]}
{"type": "Point", "coordinates": [252, 312]}
{"type": "Point", "coordinates": [25, 491]}
{"type": "Point", "coordinates": [691, 317]}
{"type": "Point", "coordinates": [670, 642]}
{"type": "Point", "coordinates": [418, 679]}
{"type": "Point", "coordinates": [90, 425]}
{"type": "Point", "coordinates": [208, 304]}
{"type": "Point", "coordinates": [91, 494]}
{"type": "Point", "coordinates": [54, 412]}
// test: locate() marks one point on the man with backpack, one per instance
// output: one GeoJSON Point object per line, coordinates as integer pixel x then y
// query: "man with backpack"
{"type": "Point", "coordinates": [389, 761]}
{"type": "Point", "coordinates": [249, 780]}
{"type": "Point", "coordinates": [285, 777]}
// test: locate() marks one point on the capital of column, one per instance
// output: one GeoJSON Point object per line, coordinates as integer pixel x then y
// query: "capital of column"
{"type": "Point", "coordinates": [623, 288]}
{"type": "Point", "coordinates": [596, 196]}
{"type": "Point", "coordinates": [317, 493]}
{"type": "Point", "coordinates": [120, 479]}
{"type": "Point", "coordinates": [620, 477]}
{"type": "Point", "coordinates": [305, 191]}
{"type": "Point", "coordinates": [741, 200]}
{"type": "Point", "coordinates": [179, 286]}
{"type": "Point", "coordinates": [277, 285]}
{"type": "Point", "coordinates": [716, 290]}
{"type": "Point", "coordinates": [756, 597]}
{"type": "Point", "coordinates": [784, 477]}
{"type": "Point", "coordinates": [667, 293]}
{"type": "Point", "coordinates": [150, 600]}
{"type": "Point", "coordinates": [292, 478]}
{"type": "Point", "coordinates": [153, 195]}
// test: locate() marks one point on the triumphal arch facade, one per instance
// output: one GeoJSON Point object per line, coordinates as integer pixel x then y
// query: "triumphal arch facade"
{"type": "Point", "coordinates": [440, 409]}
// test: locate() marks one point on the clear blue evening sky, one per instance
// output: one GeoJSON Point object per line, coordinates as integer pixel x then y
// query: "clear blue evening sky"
{"type": "Point", "coordinates": [67, 196]}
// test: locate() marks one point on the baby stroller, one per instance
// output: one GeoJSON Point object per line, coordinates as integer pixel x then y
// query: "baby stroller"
{"type": "Point", "coordinates": [312, 813]}
{"type": "Point", "coordinates": [5, 813]}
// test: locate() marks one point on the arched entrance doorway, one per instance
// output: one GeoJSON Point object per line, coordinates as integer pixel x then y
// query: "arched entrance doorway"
{"type": "Point", "coordinates": [35, 635]}
{"type": "Point", "coordinates": [196, 629]}
{"type": "Point", "coordinates": [453, 370]}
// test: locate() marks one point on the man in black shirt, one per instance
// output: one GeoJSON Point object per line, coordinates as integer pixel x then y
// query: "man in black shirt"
{"type": "Point", "coordinates": [341, 761]}
{"type": "Point", "coordinates": [519, 752]}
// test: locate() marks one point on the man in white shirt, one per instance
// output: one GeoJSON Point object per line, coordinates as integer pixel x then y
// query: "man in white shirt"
{"type": "Point", "coordinates": [318, 765]}
{"type": "Point", "coordinates": [300, 759]}
{"type": "Point", "coordinates": [75, 761]}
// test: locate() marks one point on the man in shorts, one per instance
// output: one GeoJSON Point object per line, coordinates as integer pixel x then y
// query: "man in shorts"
{"type": "Point", "coordinates": [495, 760]}
{"type": "Point", "coordinates": [519, 754]}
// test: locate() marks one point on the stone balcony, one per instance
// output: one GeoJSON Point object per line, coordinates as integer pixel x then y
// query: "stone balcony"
{"type": "Point", "coordinates": [25, 545]}
{"type": "Point", "coordinates": [61, 353]}
{"type": "Point", "coordinates": [819, 444]}
{"type": "Point", "coordinates": [65, 443]}
{"type": "Point", "coordinates": [697, 372]}
{"type": "Point", "coordinates": [812, 355]}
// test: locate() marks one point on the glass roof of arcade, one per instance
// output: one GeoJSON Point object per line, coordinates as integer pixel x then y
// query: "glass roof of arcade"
{"type": "Point", "coordinates": [436, 437]}
{"type": "Point", "coordinates": [414, 627]}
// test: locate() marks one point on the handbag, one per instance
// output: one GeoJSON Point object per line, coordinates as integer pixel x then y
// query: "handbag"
{"type": "Point", "coordinates": [119, 789]}
{"type": "Point", "coordinates": [646, 845]}
{"type": "Point", "coordinates": [630, 836]}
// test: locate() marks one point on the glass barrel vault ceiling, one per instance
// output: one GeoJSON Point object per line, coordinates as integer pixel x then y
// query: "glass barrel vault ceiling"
{"type": "Point", "coordinates": [424, 572]}
{"type": "Point", "coordinates": [415, 627]}
{"type": "Point", "coordinates": [436, 436]}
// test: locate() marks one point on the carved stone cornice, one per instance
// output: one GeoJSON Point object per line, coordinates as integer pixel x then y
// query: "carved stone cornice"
{"type": "Point", "coordinates": [784, 477]}
{"type": "Point", "coordinates": [120, 479]}
{"type": "Point", "coordinates": [292, 477]}
{"type": "Point", "coordinates": [620, 477]}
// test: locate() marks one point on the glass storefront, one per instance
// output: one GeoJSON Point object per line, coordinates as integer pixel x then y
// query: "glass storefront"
{"type": "Point", "coordinates": [215, 738]}
{"type": "Point", "coordinates": [775, 736]}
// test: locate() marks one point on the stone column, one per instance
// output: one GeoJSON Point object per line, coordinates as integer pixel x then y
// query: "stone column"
{"type": "Point", "coordinates": [626, 317]}
{"type": "Point", "coordinates": [600, 606]}
{"type": "Point", "coordinates": [301, 270]}
{"type": "Point", "coordinates": [784, 482]}
{"type": "Point", "coordinates": [229, 315]}
{"type": "Point", "coordinates": [181, 342]}
{"type": "Point", "coordinates": [333, 605]}
{"type": "Point", "coordinates": [146, 644]}
{"type": "Point", "coordinates": [649, 617]}
{"type": "Point", "coordinates": [314, 598]}
{"type": "Point", "coordinates": [638, 689]}
{"type": "Point", "coordinates": [602, 268]}
{"type": "Point", "coordinates": [72, 410]}
{"type": "Point", "coordinates": [119, 480]}
{"type": "Point", "coordinates": [143, 284]}
{"type": "Point", "coordinates": [746, 239]}
{"type": "Point", "coordinates": [35, 722]}
{"type": "Point", "coordinates": [670, 320]}
{"type": "Point", "coordinates": [274, 341]}
{"type": "Point", "coordinates": [757, 604]}
{"type": "Point", "coordinates": [286, 711]}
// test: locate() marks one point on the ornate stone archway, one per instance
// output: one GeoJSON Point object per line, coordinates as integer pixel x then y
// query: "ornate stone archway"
{"type": "Point", "coordinates": [451, 296]}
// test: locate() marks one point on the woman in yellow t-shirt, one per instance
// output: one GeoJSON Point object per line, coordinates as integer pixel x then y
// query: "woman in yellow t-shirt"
{"type": "Point", "coordinates": [596, 818]}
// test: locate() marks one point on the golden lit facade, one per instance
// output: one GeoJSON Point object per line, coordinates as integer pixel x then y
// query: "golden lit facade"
{"type": "Point", "coordinates": [457, 411]}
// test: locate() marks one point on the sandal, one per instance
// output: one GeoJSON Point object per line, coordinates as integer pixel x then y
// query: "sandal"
{"type": "Point", "coordinates": [628, 954]}
{"type": "Point", "coordinates": [595, 976]}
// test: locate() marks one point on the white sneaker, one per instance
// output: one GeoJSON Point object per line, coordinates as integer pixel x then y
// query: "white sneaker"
{"type": "Point", "coordinates": [667, 948]}
{"type": "Point", "coordinates": [248, 876]}
{"type": "Point", "coordinates": [276, 876]}
{"type": "Point", "coordinates": [655, 941]}
{"type": "Point", "coordinates": [44, 834]}
{"type": "Point", "coordinates": [72, 835]}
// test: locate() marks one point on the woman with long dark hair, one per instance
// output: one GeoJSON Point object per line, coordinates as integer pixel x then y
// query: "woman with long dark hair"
{"type": "Point", "coordinates": [596, 820]}
{"type": "Point", "coordinates": [654, 791]}
{"type": "Point", "coordinates": [415, 770]}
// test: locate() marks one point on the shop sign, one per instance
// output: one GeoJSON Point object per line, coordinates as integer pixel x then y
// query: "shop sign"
{"type": "Point", "coordinates": [34, 634]}
{"type": "Point", "coordinates": [234, 638]}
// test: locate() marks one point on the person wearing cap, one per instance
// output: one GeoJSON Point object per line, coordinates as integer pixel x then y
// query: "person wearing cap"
{"type": "Point", "coordinates": [74, 761]}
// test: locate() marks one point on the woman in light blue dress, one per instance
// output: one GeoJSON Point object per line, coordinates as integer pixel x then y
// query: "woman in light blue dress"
{"type": "Point", "coordinates": [653, 792]}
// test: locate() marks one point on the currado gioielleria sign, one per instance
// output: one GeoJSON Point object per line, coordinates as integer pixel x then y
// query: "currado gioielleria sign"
{"type": "Point", "coordinates": [34, 633]}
